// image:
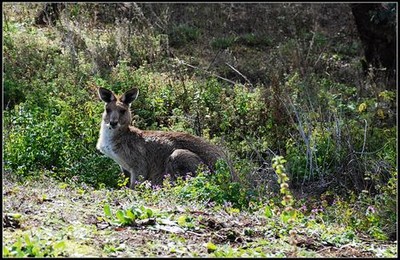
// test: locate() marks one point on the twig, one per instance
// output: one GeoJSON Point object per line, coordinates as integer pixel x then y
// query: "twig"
{"type": "Point", "coordinates": [311, 45]}
{"type": "Point", "coordinates": [365, 135]}
{"type": "Point", "coordinates": [269, 149]}
{"type": "Point", "coordinates": [238, 72]}
{"type": "Point", "coordinates": [305, 137]}
{"type": "Point", "coordinates": [208, 72]}
{"type": "Point", "coordinates": [196, 234]}
{"type": "Point", "coordinates": [215, 57]}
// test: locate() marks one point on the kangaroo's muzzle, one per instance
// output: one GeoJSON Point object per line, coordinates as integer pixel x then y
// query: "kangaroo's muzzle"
{"type": "Point", "coordinates": [113, 125]}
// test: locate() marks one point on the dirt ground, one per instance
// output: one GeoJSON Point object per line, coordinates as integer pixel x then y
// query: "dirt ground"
{"type": "Point", "coordinates": [59, 212]}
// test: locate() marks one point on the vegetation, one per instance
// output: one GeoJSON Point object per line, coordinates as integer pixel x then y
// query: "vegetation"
{"type": "Point", "coordinates": [311, 137]}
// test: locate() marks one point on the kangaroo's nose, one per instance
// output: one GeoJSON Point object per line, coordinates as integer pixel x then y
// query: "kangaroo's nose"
{"type": "Point", "coordinates": [113, 124]}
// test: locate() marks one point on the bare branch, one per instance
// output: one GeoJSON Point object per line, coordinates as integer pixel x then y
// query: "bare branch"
{"type": "Point", "coordinates": [208, 72]}
{"type": "Point", "coordinates": [238, 72]}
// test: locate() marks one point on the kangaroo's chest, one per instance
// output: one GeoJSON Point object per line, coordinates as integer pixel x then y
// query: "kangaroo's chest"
{"type": "Point", "coordinates": [106, 148]}
{"type": "Point", "coordinates": [106, 145]}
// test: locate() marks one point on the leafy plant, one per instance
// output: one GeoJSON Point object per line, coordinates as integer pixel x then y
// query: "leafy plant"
{"type": "Point", "coordinates": [183, 34]}
{"type": "Point", "coordinates": [130, 216]}
{"type": "Point", "coordinates": [27, 246]}
{"type": "Point", "coordinates": [216, 188]}
{"type": "Point", "coordinates": [63, 143]}
{"type": "Point", "coordinates": [186, 221]}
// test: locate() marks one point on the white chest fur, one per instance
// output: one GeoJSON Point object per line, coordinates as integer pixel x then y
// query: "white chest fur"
{"type": "Point", "coordinates": [106, 146]}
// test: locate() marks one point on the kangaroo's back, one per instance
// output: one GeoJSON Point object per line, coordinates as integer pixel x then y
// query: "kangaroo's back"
{"type": "Point", "coordinates": [209, 153]}
{"type": "Point", "coordinates": [149, 155]}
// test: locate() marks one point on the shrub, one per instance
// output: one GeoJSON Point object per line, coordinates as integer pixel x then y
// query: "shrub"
{"type": "Point", "coordinates": [59, 138]}
{"type": "Point", "coordinates": [25, 49]}
{"type": "Point", "coordinates": [183, 34]}
{"type": "Point", "coordinates": [217, 188]}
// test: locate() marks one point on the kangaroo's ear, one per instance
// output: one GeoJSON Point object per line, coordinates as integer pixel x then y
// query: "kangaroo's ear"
{"type": "Point", "coordinates": [106, 95]}
{"type": "Point", "coordinates": [129, 96]}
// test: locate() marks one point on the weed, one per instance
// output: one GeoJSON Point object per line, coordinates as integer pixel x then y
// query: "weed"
{"type": "Point", "coordinates": [28, 246]}
{"type": "Point", "coordinates": [130, 216]}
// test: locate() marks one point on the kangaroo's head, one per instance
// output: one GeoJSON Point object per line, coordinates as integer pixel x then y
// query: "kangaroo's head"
{"type": "Point", "coordinates": [116, 113]}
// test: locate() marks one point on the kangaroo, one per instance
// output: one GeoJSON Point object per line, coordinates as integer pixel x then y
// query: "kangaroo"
{"type": "Point", "coordinates": [148, 155]}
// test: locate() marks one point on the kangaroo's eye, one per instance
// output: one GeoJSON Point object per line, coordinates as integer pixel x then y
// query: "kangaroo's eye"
{"type": "Point", "coordinates": [122, 111]}
{"type": "Point", "coordinates": [108, 111]}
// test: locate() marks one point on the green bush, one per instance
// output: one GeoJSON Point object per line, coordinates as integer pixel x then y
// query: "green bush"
{"type": "Point", "coordinates": [24, 54]}
{"type": "Point", "coordinates": [59, 138]}
{"type": "Point", "coordinates": [334, 128]}
{"type": "Point", "coordinates": [183, 34]}
{"type": "Point", "coordinates": [215, 188]}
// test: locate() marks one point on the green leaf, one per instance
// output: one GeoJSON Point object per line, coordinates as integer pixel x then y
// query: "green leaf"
{"type": "Point", "coordinates": [121, 216]}
{"type": "Point", "coordinates": [285, 217]}
{"type": "Point", "coordinates": [182, 221]}
{"type": "Point", "coordinates": [27, 240]}
{"type": "Point", "coordinates": [149, 213]}
{"type": "Point", "coordinates": [137, 211]}
{"type": "Point", "coordinates": [129, 214]}
{"type": "Point", "coordinates": [293, 214]}
{"type": "Point", "coordinates": [16, 215]}
{"type": "Point", "coordinates": [36, 251]}
{"type": "Point", "coordinates": [268, 211]}
{"type": "Point", "coordinates": [18, 243]}
{"type": "Point", "coordinates": [6, 252]}
{"type": "Point", "coordinates": [59, 246]}
{"type": "Point", "coordinates": [211, 247]}
{"type": "Point", "coordinates": [107, 210]}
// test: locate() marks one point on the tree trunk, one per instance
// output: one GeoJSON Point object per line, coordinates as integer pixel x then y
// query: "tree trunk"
{"type": "Point", "coordinates": [376, 25]}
